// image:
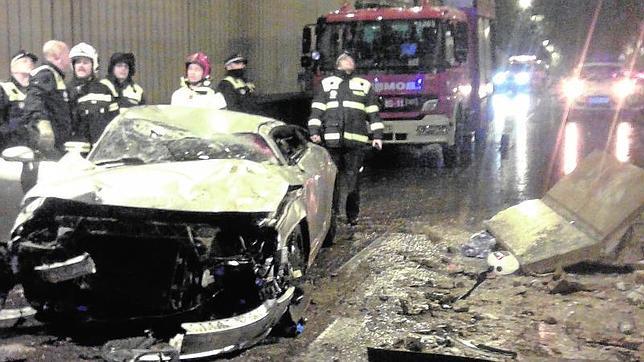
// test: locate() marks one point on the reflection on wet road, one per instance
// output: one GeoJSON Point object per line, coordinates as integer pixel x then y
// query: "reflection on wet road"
{"type": "Point", "coordinates": [509, 167]}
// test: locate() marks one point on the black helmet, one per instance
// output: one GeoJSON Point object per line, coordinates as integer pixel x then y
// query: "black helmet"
{"type": "Point", "coordinates": [235, 58]}
{"type": "Point", "coordinates": [23, 54]}
{"type": "Point", "coordinates": [127, 58]}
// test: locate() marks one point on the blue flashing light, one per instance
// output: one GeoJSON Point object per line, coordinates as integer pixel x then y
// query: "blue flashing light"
{"type": "Point", "coordinates": [499, 78]}
{"type": "Point", "coordinates": [522, 78]}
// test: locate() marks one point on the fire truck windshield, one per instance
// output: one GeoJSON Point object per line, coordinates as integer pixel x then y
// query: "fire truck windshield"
{"type": "Point", "coordinates": [389, 45]}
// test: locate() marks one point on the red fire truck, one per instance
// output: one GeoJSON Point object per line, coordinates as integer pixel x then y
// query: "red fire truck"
{"type": "Point", "coordinates": [430, 62]}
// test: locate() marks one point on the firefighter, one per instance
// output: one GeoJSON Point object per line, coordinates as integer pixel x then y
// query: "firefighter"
{"type": "Point", "coordinates": [196, 87]}
{"type": "Point", "coordinates": [12, 100]}
{"type": "Point", "coordinates": [238, 92]}
{"type": "Point", "coordinates": [93, 104]}
{"type": "Point", "coordinates": [47, 109]}
{"type": "Point", "coordinates": [119, 80]}
{"type": "Point", "coordinates": [343, 113]}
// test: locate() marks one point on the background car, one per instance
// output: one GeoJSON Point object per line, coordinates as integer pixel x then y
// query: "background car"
{"type": "Point", "coordinates": [177, 212]}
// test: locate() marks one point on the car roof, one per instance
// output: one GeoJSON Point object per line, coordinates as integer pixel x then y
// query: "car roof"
{"type": "Point", "coordinates": [203, 120]}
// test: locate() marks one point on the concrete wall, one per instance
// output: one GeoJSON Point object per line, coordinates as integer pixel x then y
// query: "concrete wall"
{"type": "Point", "coordinates": [162, 32]}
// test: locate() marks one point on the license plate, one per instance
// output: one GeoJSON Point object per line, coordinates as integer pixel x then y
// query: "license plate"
{"type": "Point", "coordinates": [394, 102]}
{"type": "Point", "coordinates": [598, 100]}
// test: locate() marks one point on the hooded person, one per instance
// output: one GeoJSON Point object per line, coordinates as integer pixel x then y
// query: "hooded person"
{"type": "Point", "coordinates": [196, 87]}
{"type": "Point", "coordinates": [12, 100]}
{"type": "Point", "coordinates": [120, 71]}
{"type": "Point", "coordinates": [93, 103]}
{"type": "Point", "coordinates": [238, 92]}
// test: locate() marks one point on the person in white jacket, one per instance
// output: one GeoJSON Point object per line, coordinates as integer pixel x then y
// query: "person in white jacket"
{"type": "Point", "coordinates": [196, 87]}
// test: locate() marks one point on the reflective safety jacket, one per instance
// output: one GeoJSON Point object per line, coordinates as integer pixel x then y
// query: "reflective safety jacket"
{"type": "Point", "coordinates": [127, 94]}
{"type": "Point", "coordinates": [47, 99]}
{"type": "Point", "coordinates": [239, 95]}
{"type": "Point", "coordinates": [93, 107]}
{"type": "Point", "coordinates": [201, 95]}
{"type": "Point", "coordinates": [345, 112]}
{"type": "Point", "coordinates": [12, 103]}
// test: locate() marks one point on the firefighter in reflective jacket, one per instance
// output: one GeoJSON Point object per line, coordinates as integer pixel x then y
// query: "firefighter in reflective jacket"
{"type": "Point", "coordinates": [238, 92]}
{"type": "Point", "coordinates": [46, 105]}
{"type": "Point", "coordinates": [12, 101]}
{"type": "Point", "coordinates": [196, 87]}
{"type": "Point", "coordinates": [93, 104]}
{"type": "Point", "coordinates": [343, 113]}
{"type": "Point", "coordinates": [119, 80]}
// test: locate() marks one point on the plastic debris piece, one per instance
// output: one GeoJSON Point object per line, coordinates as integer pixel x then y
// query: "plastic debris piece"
{"type": "Point", "coordinates": [479, 245]}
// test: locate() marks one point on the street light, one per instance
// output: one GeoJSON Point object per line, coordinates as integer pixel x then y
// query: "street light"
{"type": "Point", "coordinates": [550, 48]}
{"type": "Point", "coordinates": [524, 4]}
{"type": "Point", "coordinates": [545, 42]}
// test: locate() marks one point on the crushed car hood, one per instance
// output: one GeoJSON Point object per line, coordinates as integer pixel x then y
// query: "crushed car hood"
{"type": "Point", "coordinates": [202, 186]}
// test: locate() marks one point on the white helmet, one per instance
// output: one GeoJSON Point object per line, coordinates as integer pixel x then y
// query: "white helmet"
{"type": "Point", "coordinates": [502, 262]}
{"type": "Point", "coordinates": [84, 50]}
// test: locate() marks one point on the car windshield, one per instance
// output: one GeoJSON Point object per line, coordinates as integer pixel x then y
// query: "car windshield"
{"type": "Point", "coordinates": [600, 72]}
{"type": "Point", "coordinates": [380, 45]}
{"type": "Point", "coordinates": [149, 141]}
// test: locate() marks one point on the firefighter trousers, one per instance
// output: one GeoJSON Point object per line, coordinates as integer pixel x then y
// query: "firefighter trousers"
{"type": "Point", "coordinates": [348, 161]}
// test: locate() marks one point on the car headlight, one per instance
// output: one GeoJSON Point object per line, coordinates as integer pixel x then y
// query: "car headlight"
{"type": "Point", "coordinates": [573, 88]}
{"type": "Point", "coordinates": [624, 88]}
{"type": "Point", "coordinates": [499, 78]}
{"type": "Point", "coordinates": [31, 205]}
{"type": "Point", "coordinates": [522, 78]}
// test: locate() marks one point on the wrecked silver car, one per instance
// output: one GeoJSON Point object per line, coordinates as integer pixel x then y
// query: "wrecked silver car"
{"type": "Point", "coordinates": [204, 215]}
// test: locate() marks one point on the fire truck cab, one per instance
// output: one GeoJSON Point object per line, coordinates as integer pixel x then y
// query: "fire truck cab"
{"type": "Point", "coordinates": [430, 64]}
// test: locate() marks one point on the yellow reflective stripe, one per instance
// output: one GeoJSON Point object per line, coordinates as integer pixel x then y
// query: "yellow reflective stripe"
{"type": "Point", "coordinates": [319, 105]}
{"type": "Point", "coordinates": [315, 122]}
{"type": "Point", "coordinates": [13, 93]}
{"type": "Point", "coordinates": [356, 137]}
{"type": "Point", "coordinates": [371, 109]}
{"type": "Point", "coordinates": [354, 105]}
{"type": "Point", "coordinates": [331, 136]}
{"type": "Point", "coordinates": [109, 85]}
{"type": "Point", "coordinates": [332, 104]}
{"type": "Point", "coordinates": [95, 97]}
{"type": "Point", "coordinates": [235, 82]}
{"type": "Point", "coordinates": [134, 93]}
{"type": "Point", "coordinates": [113, 107]}
{"type": "Point", "coordinates": [377, 125]}
{"type": "Point", "coordinates": [60, 82]}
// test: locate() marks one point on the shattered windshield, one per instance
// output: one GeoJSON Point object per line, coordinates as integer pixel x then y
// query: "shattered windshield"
{"type": "Point", "coordinates": [149, 141]}
{"type": "Point", "coordinates": [383, 45]}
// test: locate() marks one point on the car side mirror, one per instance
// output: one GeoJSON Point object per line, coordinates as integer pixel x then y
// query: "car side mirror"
{"type": "Point", "coordinates": [19, 154]}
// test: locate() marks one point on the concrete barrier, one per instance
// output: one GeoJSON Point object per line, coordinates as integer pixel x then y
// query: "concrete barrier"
{"type": "Point", "coordinates": [593, 214]}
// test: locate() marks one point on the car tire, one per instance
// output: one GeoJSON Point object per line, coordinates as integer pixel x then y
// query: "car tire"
{"type": "Point", "coordinates": [296, 251]}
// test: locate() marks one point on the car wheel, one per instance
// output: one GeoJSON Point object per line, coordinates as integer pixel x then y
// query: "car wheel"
{"type": "Point", "coordinates": [296, 254]}
{"type": "Point", "coordinates": [330, 234]}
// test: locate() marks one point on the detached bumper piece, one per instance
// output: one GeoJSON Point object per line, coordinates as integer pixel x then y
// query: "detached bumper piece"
{"type": "Point", "coordinates": [211, 338]}
{"type": "Point", "coordinates": [67, 270]}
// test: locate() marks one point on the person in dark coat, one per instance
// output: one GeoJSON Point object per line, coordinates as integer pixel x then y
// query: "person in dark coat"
{"type": "Point", "coordinates": [120, 71]}
{"type": "Point", "coordinates": [47, 112]}
{"type": "Point", "coordinates": [238, 92]}
{"type": "Point", "coordinates": [343, 114]}
{"type": "Point", "coordinates": [93, 103]}
{"type": "Point", "coordinates": [12, 101]}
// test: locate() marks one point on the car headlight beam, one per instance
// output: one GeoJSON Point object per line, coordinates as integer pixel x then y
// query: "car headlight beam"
{"type": "Point", "coordinates": [573, 88]}
{"type": "Point", "coordinates": [624, 88]}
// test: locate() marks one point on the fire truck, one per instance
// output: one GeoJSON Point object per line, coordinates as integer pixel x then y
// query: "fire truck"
{"type": "Point", "coordinates": [429, 61]}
